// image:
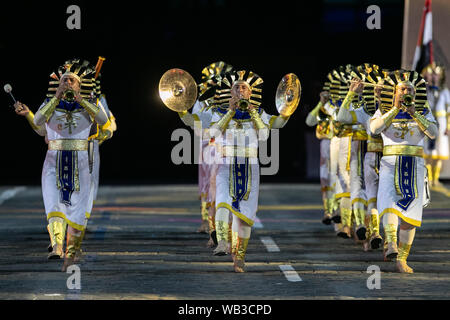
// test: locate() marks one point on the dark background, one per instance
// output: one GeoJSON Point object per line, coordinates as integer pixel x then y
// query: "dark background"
{"type": "Point", "coordinates": [141, 41]}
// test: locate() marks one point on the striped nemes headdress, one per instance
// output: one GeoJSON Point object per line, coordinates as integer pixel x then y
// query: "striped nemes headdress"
{"type": "Point", "coordinates": [397, 77]}
{"type": "Point", "coordinates": [89, 87]}
{"type": "Point", "coordinates": [338, 84]}
{"type": "Point", "coordinates": [211, 78]}
{"type": "Point", "coordinates": [372, 74]}
{"type": "Point", "coordinates": [223, 94]}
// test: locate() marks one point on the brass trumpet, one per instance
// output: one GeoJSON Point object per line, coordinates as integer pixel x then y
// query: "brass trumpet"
{"type": "Point", "coordinates": [243, 104]}
{"type": "Point", "coordinates": [408, 100]}
{"type": "Point", "coordinates": [69, 95]}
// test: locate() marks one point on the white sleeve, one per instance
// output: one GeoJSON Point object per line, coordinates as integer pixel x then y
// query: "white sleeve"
{"type": "Point", "coordinates": [376, 123]}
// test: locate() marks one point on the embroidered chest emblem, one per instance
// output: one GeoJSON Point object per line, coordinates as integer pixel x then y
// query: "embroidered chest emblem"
{"type": "Point", "coordinates": [402, 130]}
{"type": "Point", "coordinates": [69, 121]}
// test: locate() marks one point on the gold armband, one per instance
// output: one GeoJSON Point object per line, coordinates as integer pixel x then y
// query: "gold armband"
{"type": "Point", "coordinates": [182, 113]}
{"type": "Point", "coordinates": [259, 124]}
{"type": "Point", "coordinates": [421, 121]}
{"type": "Point", "coordinates": [315, 111]}
{"type": "Point", "coordinates": [223, 123]}
{"type": "Point", "coordinates": [30, 118]}
{"type": "Point", "coordinates": [390, 115]}
{"type": "Point", "coordinates": [49, 108]}
{"type": "Point", "coordinates": [89, 107]}
{"type": "Point", "coordinates": [348, 99]}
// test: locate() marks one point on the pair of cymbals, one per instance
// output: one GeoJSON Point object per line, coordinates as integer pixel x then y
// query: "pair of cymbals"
{"type": "Point", "coordinates": [178, 91]}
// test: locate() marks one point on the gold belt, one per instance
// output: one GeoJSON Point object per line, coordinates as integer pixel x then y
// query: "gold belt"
{"type": "Point", "coordinates": [374, 146]}
{"type": "Point", "coordinates": [68, 144]}
{"type": "Point", "coordinates": [402, 150]}
{"type": "Point", "coordinates": [235, 151]}
{"type": "Point", "coordinates": [359, 135]}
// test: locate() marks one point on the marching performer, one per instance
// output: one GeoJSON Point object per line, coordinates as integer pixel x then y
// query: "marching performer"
{"type": "Point", "coordinates": [350, 115]}
{"type": "Point", "coordinates": [236, 126]}
{"type": "Point", "coordinates": [211, 76]}
{"type": "Point", "coordinates": [237, 181]}
{"type": "Point", "coordinates": [403, 121]}
{"type": "Point", "coordinates": [67, 115]}
{"type": "Point", "coordinates": [340, 150]}
{"type": "Point", "coordinates": [322, 120]}
{"type": "Point", "coordinates": [437, 150]}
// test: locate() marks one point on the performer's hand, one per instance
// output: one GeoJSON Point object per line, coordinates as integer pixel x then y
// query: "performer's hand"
{"type": "Point", "coordinates": [21, 109]}
{"type": "Point", "coordinates": [251, 107]}
{"type": "Point", "coordinates": [411, 109]}
{"type": "Point", "coordinates": [233, 103]}
{"type": "Point", "coordinates": [356, 85]}
{"type": "Point", "coordinates": [60, 91]}
{"type": "Point", "coordinates": [78, 97]}
{"type": "Point", "coordinates": [324, 97]}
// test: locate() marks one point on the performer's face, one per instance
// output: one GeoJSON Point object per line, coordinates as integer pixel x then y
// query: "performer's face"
{"type": "Point", "coordinates": [428, 76]}
{"type": "Point", "coordinates": [241, 90]}
{"type": "Point", "coordinates": [71, 83]}
{"type": "Point", "coordinates": [436, 79]}
{"type": "Point", "coordinates": [402, 89]}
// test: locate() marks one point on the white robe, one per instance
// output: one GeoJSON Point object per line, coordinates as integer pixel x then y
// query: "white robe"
{"type": "Point", "coordinates": [387, 193]}
{"type": "Point", "coordinates": [57, 128]}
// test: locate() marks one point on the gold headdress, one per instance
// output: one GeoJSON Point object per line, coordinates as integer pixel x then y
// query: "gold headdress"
{"type": "Point", "coordinates": [84, 73]}
{"type": "Point", "coordinates": [397, 77]}
{"type": "Point", "coordinates": [434, 68]}
{"type": "Point", "coordinates": [335, 85]}
{"type": "Point", "coordinates": [211, 77]}
{"type": "Point", "coordinates": [223, 95]}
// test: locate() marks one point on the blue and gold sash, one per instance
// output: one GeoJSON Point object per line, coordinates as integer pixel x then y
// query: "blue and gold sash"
{"type": "Point", "coordinates": [405, 180]}
{"type": "Point", "coordinates": [67, 178]}
{"type": "Point", "coordinates": [240, 182]}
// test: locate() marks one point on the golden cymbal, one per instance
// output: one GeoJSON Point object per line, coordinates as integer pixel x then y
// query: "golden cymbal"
{"type": "Point", "coordinates": [288, 95]}
{"type": "Point", "coordinates": [177, 90]}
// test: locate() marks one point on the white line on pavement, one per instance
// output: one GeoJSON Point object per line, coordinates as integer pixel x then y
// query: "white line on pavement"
{"type": "Point", "coordinates": [8, 194]}
{"type": "Point", "coordinates": [289, 272]}
{"type": "Point", "coordinates": [270, 244]}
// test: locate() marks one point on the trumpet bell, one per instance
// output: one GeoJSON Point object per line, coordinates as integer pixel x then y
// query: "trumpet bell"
{"type": "Point", "coordinates": [243, 104]}
{"type": "Point", "coordinates": [69, 95]}
{"type": "Point", "coordinates": [177, 90]}
{"type": "Point", "coordinates": [288, 95]}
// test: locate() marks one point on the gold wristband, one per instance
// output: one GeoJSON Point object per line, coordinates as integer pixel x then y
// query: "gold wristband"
{"type": "Point", "coordinates": [348, 99]}
{"type": "Point", "coordinates": [30, 118]}
{"type": "Point", "coordinates": [390, 115]}
{"type": "Point", "coordinates": [89, 107]}
{"type": "Point", "coordinates": [223, 123]}
{"type": "Point", "coordinates": [259, 124]}
{"type": "Point", "coordinates": [49, 108]}
{"type": "Point", "coordinates": [315, 111]}
{"type": "Point", "coordinates": [421, 121]}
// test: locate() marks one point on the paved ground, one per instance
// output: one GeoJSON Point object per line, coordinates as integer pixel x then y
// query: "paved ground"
{"type": "Point", "coordinates": [141, 244]}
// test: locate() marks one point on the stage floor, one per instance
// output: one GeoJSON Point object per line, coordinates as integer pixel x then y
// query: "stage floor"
{"type": "Point", "coordinates": [142, 243]}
